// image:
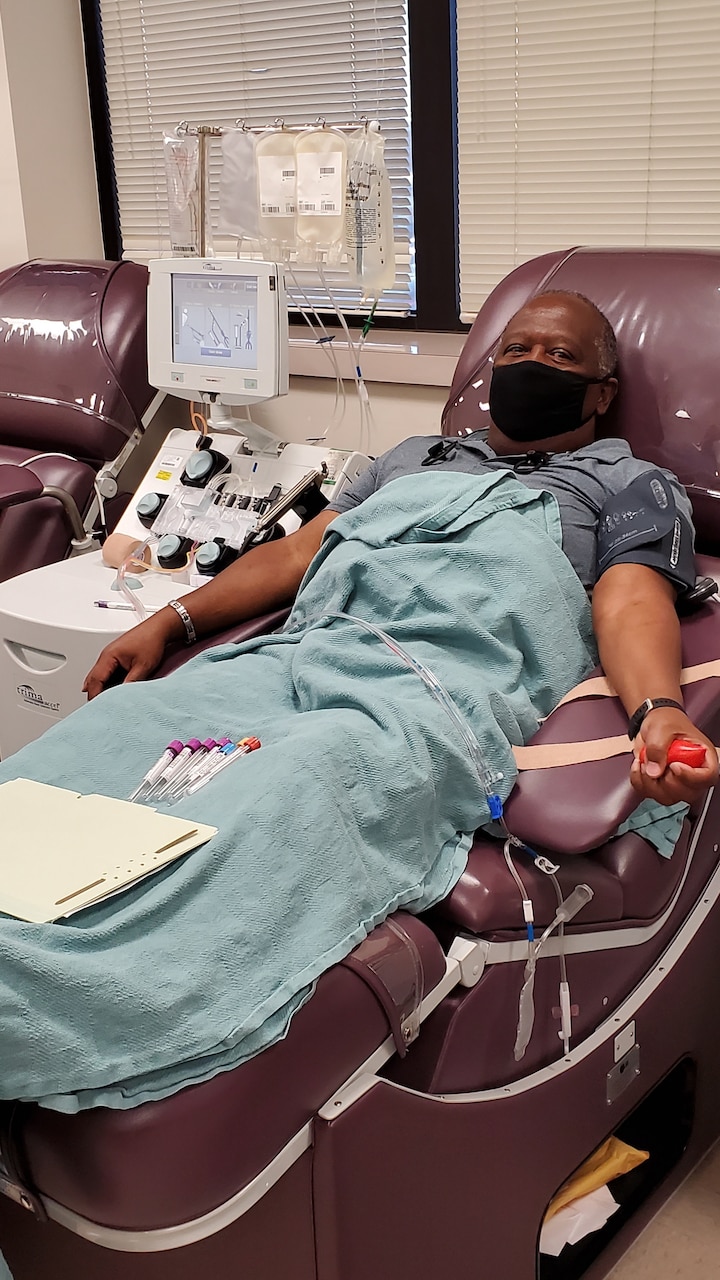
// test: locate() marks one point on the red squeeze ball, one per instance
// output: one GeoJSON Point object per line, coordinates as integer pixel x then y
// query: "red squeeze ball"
{"type": "Point", "coordinates": [683, 751]}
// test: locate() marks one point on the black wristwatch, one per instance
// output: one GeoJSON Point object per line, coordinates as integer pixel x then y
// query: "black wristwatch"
{"type": "Point", "coordinates": [649, 704]}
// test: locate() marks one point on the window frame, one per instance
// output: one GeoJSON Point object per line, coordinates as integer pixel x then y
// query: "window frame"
{"type": "Point", "coordinates": [433, 138]}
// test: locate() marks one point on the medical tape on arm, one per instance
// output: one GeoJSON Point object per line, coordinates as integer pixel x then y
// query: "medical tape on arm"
{"type": "Point", "coordinates": [553, 755]}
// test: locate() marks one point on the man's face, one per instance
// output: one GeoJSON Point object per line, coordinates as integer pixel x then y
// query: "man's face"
{"type": "Point", "coordinates": [563, 333]}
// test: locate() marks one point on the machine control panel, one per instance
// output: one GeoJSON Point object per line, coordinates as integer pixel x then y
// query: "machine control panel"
{"type": "Point", "coordinates": [205, 500]}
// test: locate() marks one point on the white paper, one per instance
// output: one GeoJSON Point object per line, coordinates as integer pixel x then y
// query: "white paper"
{"type": "Point", "coordinates": [577, 1220]}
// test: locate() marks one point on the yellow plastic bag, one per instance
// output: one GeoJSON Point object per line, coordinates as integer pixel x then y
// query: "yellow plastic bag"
{"type": "Point", "coordinates": [611, 1159]}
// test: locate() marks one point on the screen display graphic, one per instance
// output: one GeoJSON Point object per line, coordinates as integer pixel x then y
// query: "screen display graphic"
{"type": "Point", "coordinates": [215, 321]}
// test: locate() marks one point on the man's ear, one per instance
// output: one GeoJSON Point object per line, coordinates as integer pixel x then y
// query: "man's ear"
{"type": "Point", "coordinates": [608, 391]}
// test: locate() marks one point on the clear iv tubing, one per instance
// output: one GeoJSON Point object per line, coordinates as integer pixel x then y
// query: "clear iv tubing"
{"type": "Point", "coordinates": [567, 908]}
{"type": "Point", "coordinates": [136, 554]}
{"type": "Point", "coordinates": [441, 695]}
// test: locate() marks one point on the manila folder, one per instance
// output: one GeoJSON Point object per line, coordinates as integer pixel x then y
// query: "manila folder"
{"type": "Point", "coordinates": [61, 851]}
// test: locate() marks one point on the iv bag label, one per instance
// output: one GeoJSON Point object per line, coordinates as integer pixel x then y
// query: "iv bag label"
{"type": "Point", "coordinates": [319, 183]}
{"type": "Point", "coordinates": [276, 186]}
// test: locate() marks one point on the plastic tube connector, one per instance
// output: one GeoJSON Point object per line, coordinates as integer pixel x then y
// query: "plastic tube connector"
{"type": "Point", "coordinates": [495, 805]}
{"type": "Point", "coordinates": [565, 1016]}
{"type": "Point", "coordinates": [575, 901]}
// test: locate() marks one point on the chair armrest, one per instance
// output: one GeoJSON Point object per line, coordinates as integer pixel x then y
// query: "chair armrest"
{"type": "Point", "coordinates": [575, 808]}
{"type": "Point", "coordinates": [261, 626]}
{"type": "Point", "coordinates": [18, 485]}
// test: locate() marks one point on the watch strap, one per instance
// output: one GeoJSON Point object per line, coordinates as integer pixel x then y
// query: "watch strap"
{"type": "Point", "coordinates": [645, 707]}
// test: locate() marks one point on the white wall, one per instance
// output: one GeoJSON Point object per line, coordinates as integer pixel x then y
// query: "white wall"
{"type": "Point", "coordinates": [398, 411]}
{"type": "Point", "coordinates": [13, 241]}
{"type": "Point", "coordinates": [47, 170]}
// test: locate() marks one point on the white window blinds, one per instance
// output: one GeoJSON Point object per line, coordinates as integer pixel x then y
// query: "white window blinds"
{"type": "Point", "coordinates": [590, 122]}
{"type": "Point", "coordinates": [216, 61]}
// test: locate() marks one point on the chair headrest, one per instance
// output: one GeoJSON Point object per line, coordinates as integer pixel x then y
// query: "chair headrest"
{"type": "Point", "coordinates": [664, 305]}
{"type": "Point", "coordinates": [73, 357]}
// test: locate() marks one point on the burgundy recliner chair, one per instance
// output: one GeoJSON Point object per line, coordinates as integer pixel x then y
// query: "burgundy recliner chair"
{"type": "Point", "coordinates": [73, 381]}
{"type": "Point", "coordinates": [392, 1134]}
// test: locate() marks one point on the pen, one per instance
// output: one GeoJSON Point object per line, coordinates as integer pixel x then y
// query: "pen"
{"type": "Point", "coordinates": [120, 604]}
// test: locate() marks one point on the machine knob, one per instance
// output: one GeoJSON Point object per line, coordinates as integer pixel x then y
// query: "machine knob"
{"type": "Point", "coordinates": [207, 556]}
{"type": "Point", "coordinates": [173, 551]}
{"type": "Point", "coordinates": [149, 507]}
{"type": "Point", "coordinates": [202, 465]}
{"type": "Point", "coordinates": [213, 556]}
{"type": "Point", "coordinates": [199, 466]}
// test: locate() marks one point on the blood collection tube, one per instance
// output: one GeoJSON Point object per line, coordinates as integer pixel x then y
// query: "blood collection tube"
{"type": "Point", "coordinates": [173, 769]}
{"type": "Point", "coordinates": [243, 748]}
{"type": "Point", "coordinates": [198, 767]}
{"type": "Point", "coordinates": [202, 752]}
{"type": "Point", "coordinates": [152, 775]}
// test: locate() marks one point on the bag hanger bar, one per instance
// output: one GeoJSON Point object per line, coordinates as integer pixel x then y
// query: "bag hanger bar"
{"type": "Point", "coordinates": [216, 131]}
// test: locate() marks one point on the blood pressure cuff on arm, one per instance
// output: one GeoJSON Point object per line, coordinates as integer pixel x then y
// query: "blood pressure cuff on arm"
{"type": "Point", "coordinates": [642, 525]}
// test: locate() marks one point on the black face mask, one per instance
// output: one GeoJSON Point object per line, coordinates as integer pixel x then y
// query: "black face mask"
{"type": "Point", "coordinates": [534, 401]}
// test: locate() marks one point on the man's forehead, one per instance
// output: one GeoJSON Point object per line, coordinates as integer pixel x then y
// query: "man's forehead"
{"type": "Point", "coordinates": [565, 317]}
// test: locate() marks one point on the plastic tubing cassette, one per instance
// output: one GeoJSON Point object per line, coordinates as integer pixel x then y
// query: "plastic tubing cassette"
{"type": "Point", "coordinates": [204, 498]}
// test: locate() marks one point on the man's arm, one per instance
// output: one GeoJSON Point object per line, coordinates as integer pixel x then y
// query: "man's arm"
{"type": "Point", "coordinates": [638, 635]}
{"type": "Point", "coordinates": [260, 581]}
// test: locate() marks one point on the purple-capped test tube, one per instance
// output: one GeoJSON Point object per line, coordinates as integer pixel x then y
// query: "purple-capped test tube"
{"type": "Point", "coordinates": [168, 776]}
{"type": "Point", "coordinates": [169, 754]}
{"type": "Point", "coordinates": [199, 766]}
{"type": "Point", "coordinates": [202, 753]}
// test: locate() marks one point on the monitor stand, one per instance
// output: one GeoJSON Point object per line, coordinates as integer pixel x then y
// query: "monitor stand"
{"type": "Point", "coordinates": [258, 439]}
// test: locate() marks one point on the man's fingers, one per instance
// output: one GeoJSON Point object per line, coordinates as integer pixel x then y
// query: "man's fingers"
{"type": "Point", "coordinates": [699, 778]}
{"type": "Point", "coordinates": [97, 678]}
{"type": "Point", "coordinates": [138, 671]}
{"type": "Point", "coordinates": [655, 762]}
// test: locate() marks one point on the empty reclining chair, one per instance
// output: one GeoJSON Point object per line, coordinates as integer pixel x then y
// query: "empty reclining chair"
{"type": "Point", "coordinates": [73, 381]}
{"type": "Point", "coordinates": [392, 1133]}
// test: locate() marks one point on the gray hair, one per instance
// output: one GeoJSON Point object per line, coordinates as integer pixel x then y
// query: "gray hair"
{"type": "Point", "coordinates": [605, 342]}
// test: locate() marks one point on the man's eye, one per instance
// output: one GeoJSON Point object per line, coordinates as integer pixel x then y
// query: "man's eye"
{"type": "Point", "coordinates": [562, 354]}
{"type": "Point", "coordinates": [515, 348]}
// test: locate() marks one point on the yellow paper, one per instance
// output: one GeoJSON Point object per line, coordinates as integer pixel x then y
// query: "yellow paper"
{"type": "Point", "coordinates": [611, 1159]}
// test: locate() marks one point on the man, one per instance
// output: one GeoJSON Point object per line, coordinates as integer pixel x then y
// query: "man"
{"type": "Point", "coordinates": [364, 797]}
{"type": "Point", "coordinates": [554, 377]}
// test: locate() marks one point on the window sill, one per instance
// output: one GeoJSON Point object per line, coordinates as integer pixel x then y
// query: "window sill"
{"type": "Point", "coordinates": [421, 359]}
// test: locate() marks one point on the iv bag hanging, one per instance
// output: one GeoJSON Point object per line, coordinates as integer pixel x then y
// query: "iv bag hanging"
{"type": "Point", "coordinates": [238, 191]}
{"type": "Point", "coordinates": [186, 206]}
{"type": "Point", "coordinates": [321, 157]}
{"type": "Point", "coordinates": [275, 156]}
{"type": "Point", "coordinates": [369, 234]}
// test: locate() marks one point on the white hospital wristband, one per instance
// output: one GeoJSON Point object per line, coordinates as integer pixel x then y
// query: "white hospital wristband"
{"type": "Point", "coordinates": [181, 611]}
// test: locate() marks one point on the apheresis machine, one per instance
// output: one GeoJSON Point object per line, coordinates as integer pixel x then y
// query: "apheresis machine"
{"type": "Point", "coordinates": [218, 337]}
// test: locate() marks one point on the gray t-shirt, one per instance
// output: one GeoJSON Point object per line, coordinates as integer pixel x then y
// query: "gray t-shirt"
{"type": "Point", "coordinates": [581, 481]}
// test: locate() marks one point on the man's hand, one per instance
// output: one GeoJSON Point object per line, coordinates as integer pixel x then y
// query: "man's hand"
{"type": "Point", "coordinates": [265, 579]}
{"type": "Point", "coordinates": [655, 779]}
{"type": "Point", "coordinates": [135, 655]}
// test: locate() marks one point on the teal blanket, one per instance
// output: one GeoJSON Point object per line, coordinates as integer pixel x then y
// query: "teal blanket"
{"type": "Point", "coordinates": [362, 799]}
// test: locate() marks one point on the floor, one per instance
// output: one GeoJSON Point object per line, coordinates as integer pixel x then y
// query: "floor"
{"type": "Point", "coordinates": [683, 1242]}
